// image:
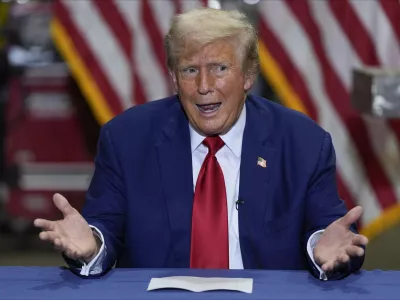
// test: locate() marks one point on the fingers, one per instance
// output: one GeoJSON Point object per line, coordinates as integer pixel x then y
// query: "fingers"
{"type": "Point", "coordinates": [330, 266]}
{"type": "Point", "coordinates": [360, 240]}
{"type": "Point", "coordinates": [44, 224]}
{"type": "Point", "coordinates": [61, 244]}
{"type": "Point", "coordinates": [353, 251]}
{"type": "Point", "coordinates": [64, 245]}
{"type": "Point", "coordinates": [54, 238]}
{"type": "Point", "coordinates": [63, 205]}
{"type": "Point", "coordinates": [342, 259]}
{"type": "Point", "coordinates": [49, 236]}
{"type": "Point", "coordinates": [73, 253]}
{"type": "Point", "coordinates": [58, 245]}
{"type": "Point", "coordinates": [352, 216]}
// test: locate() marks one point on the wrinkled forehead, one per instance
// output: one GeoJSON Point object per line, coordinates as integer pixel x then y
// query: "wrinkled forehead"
{"type": "Point", "coordinates": [214, 52]}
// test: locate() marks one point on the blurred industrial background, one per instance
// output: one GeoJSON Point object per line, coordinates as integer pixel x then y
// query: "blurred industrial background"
{"type": "Point", "coordinates": [68, 66]}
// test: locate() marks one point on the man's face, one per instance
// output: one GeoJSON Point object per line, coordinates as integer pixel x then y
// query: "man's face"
{"type": "Point", "coordinates": [211, 86]}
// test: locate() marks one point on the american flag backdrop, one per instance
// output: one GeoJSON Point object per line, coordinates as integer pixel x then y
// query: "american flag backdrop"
{"type": "Point", "coordinates": [115, 49]}
{"type": "Point", "coordinates": [308, 50]}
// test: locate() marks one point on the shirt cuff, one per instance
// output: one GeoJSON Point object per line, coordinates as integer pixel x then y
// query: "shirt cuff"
{"type": "Point", "coordinates": [312, 242]}
{"type": "Point", "coordinates": [95, 266]}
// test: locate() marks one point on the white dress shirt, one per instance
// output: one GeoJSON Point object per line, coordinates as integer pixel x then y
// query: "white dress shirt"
{"type": "Point", "coordinates": [228, 157]}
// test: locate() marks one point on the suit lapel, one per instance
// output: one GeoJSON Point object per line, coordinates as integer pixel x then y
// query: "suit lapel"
{"type": "Point", "coordinates": [175, 162]}
{"type": "Point", "coordinates": [255, 180]}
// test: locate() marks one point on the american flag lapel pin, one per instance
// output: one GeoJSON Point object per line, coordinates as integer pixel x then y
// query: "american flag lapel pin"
{"type": "Point", "coordinates": [261, 162]}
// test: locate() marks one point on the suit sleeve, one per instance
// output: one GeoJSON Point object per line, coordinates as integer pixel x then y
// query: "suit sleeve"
{"type": "Point", "coordinates": [324, 205]}
{"type": "Point", "coordinates": [105, 201]}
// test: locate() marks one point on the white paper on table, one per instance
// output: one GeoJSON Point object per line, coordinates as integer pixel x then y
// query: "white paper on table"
{"type": "Point", "coordinates": [201, 284]}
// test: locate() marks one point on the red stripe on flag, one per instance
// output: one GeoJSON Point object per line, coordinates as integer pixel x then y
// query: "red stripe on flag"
{"type": "Point", "coordinates": [156, 38]}
{"type": "Point", "coordinates": [341, 100]}
{"type": "Point", "coordinates": [113, 18]}
{"type": "Point", "coordinates": [392, 10]}
{"type": "Point", "coordinates": [395, 125]}
{"type": "Point", "coordinates": [346, 197]}
{"type": "Point", "coordinates": [360, 39]}
{"type": "Point", "coordinates": [87, 56]}
{"type": "Point", "coordinates": [297, 82]}
{"type": "Point", "coordinates": [115, 21]}
{"type": "Point", "coordinates": [357, 35]}
{"type": "Point", "coordinates": [344, 193]}
{"type": "Point", "coordinates": [178, 6]}
{"type": "Point", "coordinates": [290, 71]}
{"type": "Point", "coordinates": [139, 94]}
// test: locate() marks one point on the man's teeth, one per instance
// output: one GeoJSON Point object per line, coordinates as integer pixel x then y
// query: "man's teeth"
{"type": "Point", "coordinates": [209, 108]}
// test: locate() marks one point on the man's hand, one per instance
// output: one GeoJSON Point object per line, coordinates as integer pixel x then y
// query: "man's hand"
{"type": "Point", "coordinates": [338, 244]}
{"type": "Point", "coordinates": [71, 235]}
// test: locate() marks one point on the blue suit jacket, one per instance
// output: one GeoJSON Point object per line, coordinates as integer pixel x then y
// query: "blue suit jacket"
{"type": "Point", "coordinates": [141, 195]}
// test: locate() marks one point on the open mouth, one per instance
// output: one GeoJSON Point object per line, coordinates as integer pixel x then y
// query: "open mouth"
{"type": "Point", "coordinates": [208, 108]}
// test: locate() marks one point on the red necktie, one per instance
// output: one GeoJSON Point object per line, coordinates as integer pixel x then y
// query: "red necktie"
{"type": "Point", "coordinates": [209, 244]}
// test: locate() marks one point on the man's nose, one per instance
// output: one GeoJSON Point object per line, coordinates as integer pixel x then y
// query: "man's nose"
{"type": "Point", "coordinates": [205, 82]}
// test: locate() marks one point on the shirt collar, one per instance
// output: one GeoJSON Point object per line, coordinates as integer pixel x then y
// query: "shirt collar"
{"type": "Point", "coordinates": [232, 139]}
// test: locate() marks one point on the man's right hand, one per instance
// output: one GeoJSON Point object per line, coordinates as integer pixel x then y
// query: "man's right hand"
{"type": "Point", "coordinates": [71, 235]}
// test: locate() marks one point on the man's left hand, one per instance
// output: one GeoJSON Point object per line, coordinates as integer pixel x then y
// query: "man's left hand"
{"type": "Point", "coordinates": [338, 244]}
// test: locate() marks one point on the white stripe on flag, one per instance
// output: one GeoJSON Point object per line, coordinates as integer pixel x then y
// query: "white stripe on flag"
{"type": "Point", "coordinates": [384, 140]}
{"type": "Point", "coordinates": [386, 146]}
{"type": "Point", "coordinates": [190, 4]}
{"type": "Point", "coordinates": [336, 44]}
{"type": "Point", "coordinates": [104, 47]}
{"type": "Point", "coordinates": [343, 59]}
{"type": "Point", "coordinates": [380, 30]}
{"type": "Point", "coordinates": [150, 72]}
{"type": "Point", "coordinates": [297, 45]}
{"type": "Point", "coordinates": [163, 13]}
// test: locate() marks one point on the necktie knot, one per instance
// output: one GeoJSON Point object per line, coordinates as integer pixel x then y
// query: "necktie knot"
{"type": "Point", "coordinates": [213, 143]}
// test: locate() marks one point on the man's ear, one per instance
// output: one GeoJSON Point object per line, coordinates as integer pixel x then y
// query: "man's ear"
{"type": "Point", "coordinates": [249, 82]}
{"type": "Point", "coordinates": [174, 80]}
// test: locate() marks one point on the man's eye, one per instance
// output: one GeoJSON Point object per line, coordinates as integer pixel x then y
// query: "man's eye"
{"type": "Point", "coordinates": [220, 68]}
{"type": "Point", "coordinates": [188, 71]}
{"type": "Point", "coordinates": [223, 68]}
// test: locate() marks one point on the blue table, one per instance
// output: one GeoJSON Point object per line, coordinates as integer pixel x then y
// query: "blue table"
{"type": "Point", "coordinates": [58, 283]}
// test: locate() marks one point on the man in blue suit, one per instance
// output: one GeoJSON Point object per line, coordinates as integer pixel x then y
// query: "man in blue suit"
{"type": "Point", "coordinates": [212, 177]}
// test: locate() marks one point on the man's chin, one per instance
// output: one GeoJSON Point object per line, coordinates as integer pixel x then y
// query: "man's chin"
{"type": "Point", "coordinates": [209, 131]}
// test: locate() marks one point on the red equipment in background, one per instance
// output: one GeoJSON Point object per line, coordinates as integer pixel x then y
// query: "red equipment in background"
{"type": "Point", "coordinates": [45, 144]}
{"type": "Point", "coordinates": [46, 149]}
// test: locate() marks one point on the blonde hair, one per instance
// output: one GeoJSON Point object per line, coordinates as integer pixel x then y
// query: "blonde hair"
{"type": "Point", "coordinates": [203, 26]}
